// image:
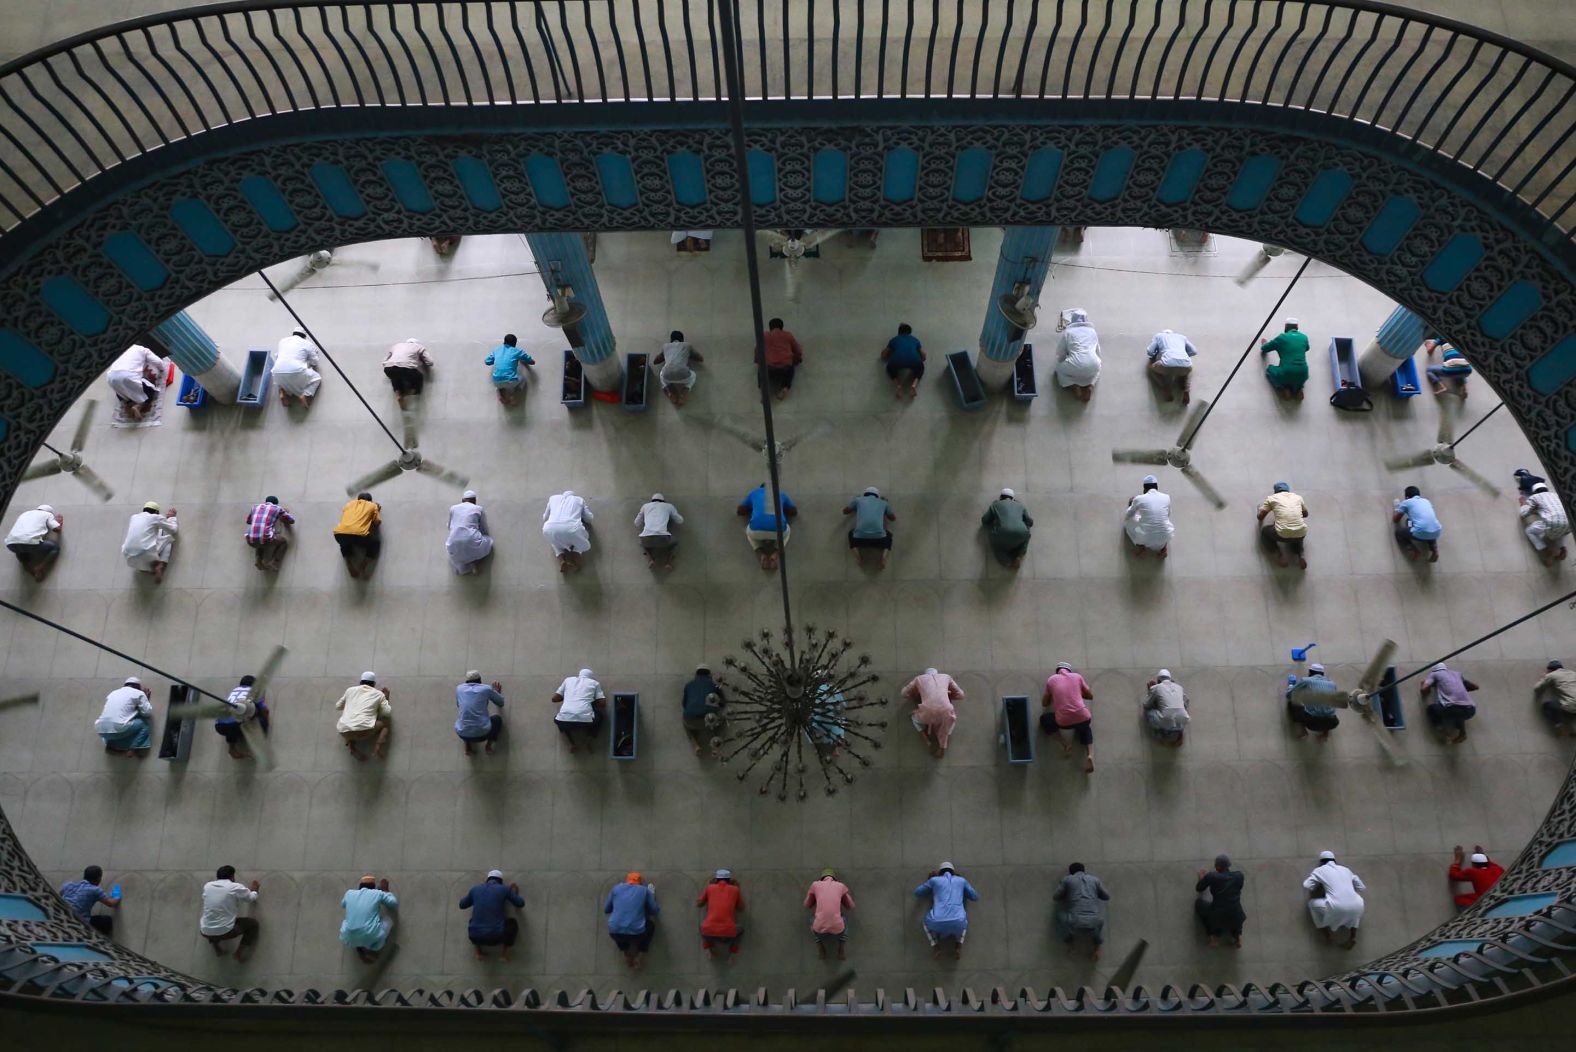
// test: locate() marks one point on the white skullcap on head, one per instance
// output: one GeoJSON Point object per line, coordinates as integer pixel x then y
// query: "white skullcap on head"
{"type": "Point", "coordinates": [658, 496]}
{"type": "Point", "coordinates": [132, 681]}
{"type": "Point", "coordinates": [1480, 858]}
{"type": "Point", "coordinates": [46, 509]}
{"type": "Point", "coordinates": [585, 673]}
{"type": "Point", "coordinates": [1078, 314]}
{"type": "Point", "coordinates": [1007, 492]}
{"type": "Point", "coordinates": [724, 874]}
{"type": "Point", "coordinates": [871, 491]}
{"type": "Point", "coordinates": [1326, 856]}
{"type": "Point", "coordinates": [1150, 480]}
{"type": "Point", "coordinates": [411, 339]}
{"type": "Point", "coordinates": [469, 494]}
{"type": "Point", "coordinates": [1292, 322]}
{"type": "Point", "coordinates": [473, 676]}
{"type": "Point", "coordinates": [369, 676]}
{"type": "Point", "coordinates": [1316, 667]}
{"type": "Point", "coordinates": [1164, 673]}
{"type": "Point", "coordinates": [932, 672]}
{"type": "Point", "coordinates": [491, 873]}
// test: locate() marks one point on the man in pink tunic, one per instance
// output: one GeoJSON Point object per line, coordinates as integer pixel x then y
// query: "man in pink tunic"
{"type": "Point", "coordinates": [829, 897]}
{"type": "Point", "coordinates": [1064, 700]}
{"type": "Point", "coordinates": [934, 717]}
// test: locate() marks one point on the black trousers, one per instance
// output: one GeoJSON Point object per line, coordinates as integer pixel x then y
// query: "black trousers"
{"type": "Point", "coordinates": [511, 931]}
{"type": "Point", "coordinates": [405, 381]}
{"type": "Point", "coordinates": [781, 377]}
{"type": "Point", "coordinates": [102, 923]}
{"type": "Point", "coordinates": [1217, 921]}
{"type": "Point", "coordinates": [568, 727]}
{"type": "Point", "coordinates": [351, 545]}
{"type": "Point", "coordinates": [494, 728]}
{"type": "Point", "coordinates": [640, 942]}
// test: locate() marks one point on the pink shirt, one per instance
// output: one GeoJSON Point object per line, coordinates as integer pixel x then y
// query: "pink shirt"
{"type": "Point", "coordinates": [830, 898]}
{"type": "Point", "coordinates": [935, 694]}
{"type": "Point", "coordinates": [1067, 702]}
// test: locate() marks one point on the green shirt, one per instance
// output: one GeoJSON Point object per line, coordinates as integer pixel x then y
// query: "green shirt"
{"type": "Point", "coordinates": [1292, 348]}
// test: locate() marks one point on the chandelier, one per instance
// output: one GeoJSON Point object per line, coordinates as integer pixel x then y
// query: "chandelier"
{"type": "Point", "coordinates": [789, 706]}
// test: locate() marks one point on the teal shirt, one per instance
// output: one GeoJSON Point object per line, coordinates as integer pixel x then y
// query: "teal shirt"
{"type": "Point", "coordinates": [1292, 348]}
{"type": "Point", "coordinates": [364, 924]}
{"type": "Point", "coordinates": [505, 361]}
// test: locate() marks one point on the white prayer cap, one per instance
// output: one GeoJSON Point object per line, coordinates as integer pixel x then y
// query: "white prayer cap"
{"type": "Point", "coordinates": [473, 676]}
{"type": "Point", "coordinates": [369, 676]}
{"type": "Point", "coordinates": [1326, 856]}
{"type": "Point", "coordinates": [491, 873]}
{"type": "Point", "coordinates": [469, 494]}
{"type": "Point", "coordinates": [1150, 480]}
{"type": "Point", "coordinates": [1479, 858]}
{"type": "Point", "coordinates": [658, 496]}
{"type": "Point", "coordinates": [1063, 665]}
{"type": "Point", "coordinates": [946, 867]}
{"type": "Point", "coordinates": [1077, 315]}
{"type": "Point", "coordinates": [585, 673]}
{"type": "Point", "coordinates": [1439, 666]}
{"type": "Point", "coordinates": [724, 874]}
{"type": "Point", "coordinates": [930, 671]}
{"type": "Point", "coordinates": [1007, 492]}
{"type": "Point", "coordinates": [46, 509]}
{"type": "Point", "coordinates": [1164, 673]}
{"type": "Point", "coordinates": [411, 339]}
{"type": "Point", "coordinates": [1292, 322]}
{"type": "Point", "coordinates": [152, 506]}
{"type": "Point", "coordinates": [871, 491]}
{"type": "Point", "coordinates": [133, 681]}
{"type": "Point", "coordinates": [1316, 667]}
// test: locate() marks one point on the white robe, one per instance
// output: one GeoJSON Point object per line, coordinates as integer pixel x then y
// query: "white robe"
{"type": "Point", "coordinates": [468, 539]}
{"type": "Point", "coordinates": [149, 539]}
{"type": "Point", "coordinates": [1341, 906]}
{"type": "Point", "coordinates": [1078, 356]}
{"type": "Point", "coordinates": [128, 376]}
{"type": "Point", "coordinates": [564, 523]}
{"type": "Point", "coordinates": [293, 366]}
{"type": "Point", "coordinates": [1148, 520]}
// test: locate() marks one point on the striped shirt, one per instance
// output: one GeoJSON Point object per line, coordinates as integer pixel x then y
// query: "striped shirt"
{"type": "Point", "coordinates": [262, 520]}
{"type": "Point", "coordinates": [1548, 509]}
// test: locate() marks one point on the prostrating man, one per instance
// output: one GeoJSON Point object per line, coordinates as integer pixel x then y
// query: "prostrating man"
{"type": "Point", "coordinates": [490, 923]}
{"type": "Point", "coordinates": [137, 377]}
{"type": "Point", "coordinates": [783, 355]}
{"type": "Point", "coordinates": [948, 916]}
{"type": "Point", "coordinates": [82, 895]}
{"type": "Point", "coordinates": [1078, 354]}
{"type": "Point", "coordinates": [150, 538]}
{"type": "Point", "coordinates": [871, 514]}
{"type": "Point", "coordinates": [1310, 703]}
{"type": "Point", "coordinates": [35, 539]}
{"type": "Point", "coordinates": [701, 710]}
{"type": "Point", "coordinates": [1078, 911]}
{"type": "Point", "coordinates": [246, 706]}
{"type": "Point", "coordinates": [673, 365]}
{"type": "Point", "coordinates": [1334, 901]}
{"type": "Point", "coordinates": [1453, 367]}
{"type": "Point", "coordinates": [295, 369]}
{"type": "Point", "coordinates": [507, 379]}
{"type": "Point", "coordinates": [761, 528]}
{"type": "Point", "coordinates": [656, 518]}
{"type": "Point", "coordinates": [367, 714]}
{"type": "Point", "coordinates": [126, 724]}
{"type": "Point", "coordinates": [1448, 695]}
{"type": "Point", "coordinates": [221, 913]}
{"type": "Point", "coordinates": [1555, 693]}
{"type": "Point", "coordinates": [580, 702]}
{"type": "Point", "coordinates": [265, 532]}
{"type": "Point", "coordinates": [829, 897]}
{"type": "Point", "coordinates": [366, 926]}
{"type": "Point", "coordinates": [475, 722]}
{"type": "Point", "coordinates": [1148, 520]}
{"type": "Point", "coordinates": [1066, 693]}
{"type": "Point", "coordinates": [1007, 524]}
{"type": "Point", "coordinates": [1291, 371]}
{"type": "Point", "coordinates": [632, 909]}
{"type": "Point", "coordinates": [1166, 709]}
{"type": "Point", "coordinates": [406, 364]}
{"type": "Point", "coordinates": [905, 360]}
{"type": "Point", "coordinates": [564, 523]}
{"type": "Point", "coordinates": [1287, 528]}
{"type": "Point", "coordinates": [1171, 363]}
{"type": "Point", "coordinates": [1479, 876]}
{"type": "Point", "coordinates": [359, 534]}
{"type": "Point", "coordinates": [1416, 525]}
{"type": "Point", "coordinates": [934, 715]}
{"type": "Point", "coordinates": [1547, 524]}
{"type": "Point", "coordinates": [1221, 913]}
{"type": "Point", "coordinates": [468, 541]}
{"type": "Point", "coordinates": [723, 900]}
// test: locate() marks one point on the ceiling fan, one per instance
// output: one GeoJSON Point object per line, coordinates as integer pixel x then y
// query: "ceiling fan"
{"type": "Point", "coordinates": [793, 245]}
{"type": "Point", "coordinates": [728, 427]}
{"type": "Point", "coordinates": [1442, 452]}
{"type": "Point", "coordinates": [410, 459]}
{"type": "Point", "coordinates": [71, 463]}
{"type": "Point", "coordinates": [1364, 699]}
{"type": "Point", "coordinates": [1178, 456]}
{"type": "Point", "coordinates": [256, 741]}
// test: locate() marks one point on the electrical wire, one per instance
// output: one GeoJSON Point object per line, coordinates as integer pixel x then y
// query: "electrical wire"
{"type": "Point", "coordinates": [1485, 638]}
{"type": "Point", "coordinates": [1481, 421]}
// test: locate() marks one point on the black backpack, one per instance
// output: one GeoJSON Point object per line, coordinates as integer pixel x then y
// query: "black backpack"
{"type": "Point", "coordinates": [1352, 399]}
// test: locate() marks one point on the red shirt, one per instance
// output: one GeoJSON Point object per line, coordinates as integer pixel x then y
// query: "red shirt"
{"type": "Point", "coordinates": [782, 350]}
{"type": "Point", "coordinates": [722, 901]}
{"type": "Point", "coordinates": [1480, 877]}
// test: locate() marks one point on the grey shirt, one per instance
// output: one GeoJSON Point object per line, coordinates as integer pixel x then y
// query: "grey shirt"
{"type": "Point", "coordinates": [1081, 894]}
{"type": "Point", "coordinates": [870, 516]}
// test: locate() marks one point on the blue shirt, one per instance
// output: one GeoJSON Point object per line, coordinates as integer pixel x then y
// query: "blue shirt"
{"type": "Point", "coordinates": [1309, 688]}
{"type": "Point", "coordinates": [505, 361]}
{"type": "Point", "coordinates": [627, 906]}
{"type": "Point", "coordinates": [905, 350]}
{"type": "Point", "coordinates": [80, 896]}
{"type": "Point", "coordinates": [486, 903]}
{"type": "Point", "coordinates": [947, 892]}
{"type": "Point", "coordinates": [760, 517]}
{"type": "Point", "coordinates": [1420, 518]}
{"type": "Point", "coordinates": [472, 700]}
{"type": "Point", "coordinates": [363, 925]}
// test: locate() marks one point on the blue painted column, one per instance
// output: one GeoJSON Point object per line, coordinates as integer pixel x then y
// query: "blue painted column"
{"type": "Point", "coordinates": [1026, 258]}
{"type": "Point", "coordinates": [1397, 339]}
{"type": "Point", "coordinates": [562, 260]}
{"type": "Point", "coordinates": [198, 356]}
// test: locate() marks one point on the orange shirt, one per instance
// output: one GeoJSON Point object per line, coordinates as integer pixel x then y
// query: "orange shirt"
{"type": "Point", "coordinates": [722, 901]}
{"type": "Point", "coordinates": [782, 350]}
{"type": "Point", "coordinates": [358, 518]}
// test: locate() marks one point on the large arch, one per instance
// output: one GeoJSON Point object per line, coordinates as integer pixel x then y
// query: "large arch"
{"type": "Point", "coordinates": [98, 265]}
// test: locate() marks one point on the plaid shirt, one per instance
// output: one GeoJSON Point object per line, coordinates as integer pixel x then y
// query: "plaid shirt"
{"type": "Point", "coordinates": [261, 522]}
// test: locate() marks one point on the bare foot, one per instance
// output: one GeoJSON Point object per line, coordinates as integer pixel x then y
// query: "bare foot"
{"type": "Point", "coordinates": [488, 748]}
{"type": "Point", "coordinates": [1433, 556]}
{"type": "Point", "coordinates": [468, 750]}
{"type": "Point", "coordinates": [957, 952]}
{"type": "Point", "coordinates": [935, 953]}
{"type": "Point", "coordinates": [1302, 564]}
{"type": "Point", "coordinates": [1094, 954]}
{"type": "Point", "coordinates": [354, 751]}
{"type": "Point", "coordinates": [1089, 765]}
{"type": "Point", "coordinates": [480, 956]}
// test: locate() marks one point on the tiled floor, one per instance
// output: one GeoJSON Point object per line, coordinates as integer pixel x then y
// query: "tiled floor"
{"type": "Point", "coordinates": [1217, 613]}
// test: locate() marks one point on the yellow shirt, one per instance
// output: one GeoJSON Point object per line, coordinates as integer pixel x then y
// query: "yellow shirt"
{"type": "Point", "coordinates": [1288, 514]}
{"type": "Point", "coordinates": [358, 518]}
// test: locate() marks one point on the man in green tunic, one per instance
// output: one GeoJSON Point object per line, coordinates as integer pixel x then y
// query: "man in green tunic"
{"type": "Point", "coordinates": [1288, 376]}
{"type": "Point", "coordinates": [1007, 525]}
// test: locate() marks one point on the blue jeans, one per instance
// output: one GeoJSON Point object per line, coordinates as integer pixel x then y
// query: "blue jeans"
{"type": "Point", "coordinates": [137, 736]}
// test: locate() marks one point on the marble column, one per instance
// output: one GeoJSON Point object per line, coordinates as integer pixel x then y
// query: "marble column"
{"type": "Point", "coordinates": [563, 261]}
{"type": "Point", "coordinates": [1396, 341]}
{"type": "Point", "coordinates": [1025, 260]}
{"type": "Point", "coordinates": [198, 356]}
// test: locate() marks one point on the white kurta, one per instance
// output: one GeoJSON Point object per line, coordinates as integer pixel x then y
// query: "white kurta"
{"type": "Point", "coordinates": [564, 523]}
{"type": "Point", "coordinates": [1340, 906]}
{"type": "Point", "coordinates": [1148, 520]}
{"type": "Point", "coordinates": [294, 366]}
{"type": "Point", "coordinates": [468, 540]}
{"type": "Point", "coordinates": [128, 376]}
{"type": "Point", "coordinates": [676, 371]}
{"type": "Point", "coordinates": [1078, 356]}
{"type": "Point", "coordinates": [149, 539]}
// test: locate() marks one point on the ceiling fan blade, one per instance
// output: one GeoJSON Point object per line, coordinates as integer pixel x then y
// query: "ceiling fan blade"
{"type": "Point", "coordinates": [1395, 755]}
{"type": "Point", "coordinates": [1478, 480]}
{"type": "Point", "coordinates": [454, 478]}
{"type": "Point", "coordinates": [257, 743]}
{"type": "Point", "coordinates": [1411, 460]}
{"type": "Point", "coordinates": [1447, 426]}
{"type": "Point", "coordinates": [1190, 426]}
{"type": "Point", "coordinates": [407, 419]}
{"type": "Point", "coordinates": [204, 709]}
{"type": "Point", "coordinates": [20, 699]}
{"type": "Point", "coordinates": [728, 427]}
{"type": "Point", "coordinates": [1369, 682]}
{"type": "Point", "coordinates": [821, 236]}
{"type": "Point", "coordinates": [814, 432]}
{"type": "Point", "coordinates": [270, 667]}
{"type": "Point", "coordinates": [1210, 493]}
{"type": "Point", "coordinates": [42, 470]}
{"type": "Point", "coordinates": [1139, 456]}
{"type": "Point", "coordinates": [372, 478]}
{"type": "Point", "coordinates": [90, 478]}
{"type": "Point", "coordinates": [79, 438]}
{"type": "Point", "coordinates": [1122, 978]}
{"type": "Point", "coordinates": [775, 239]}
